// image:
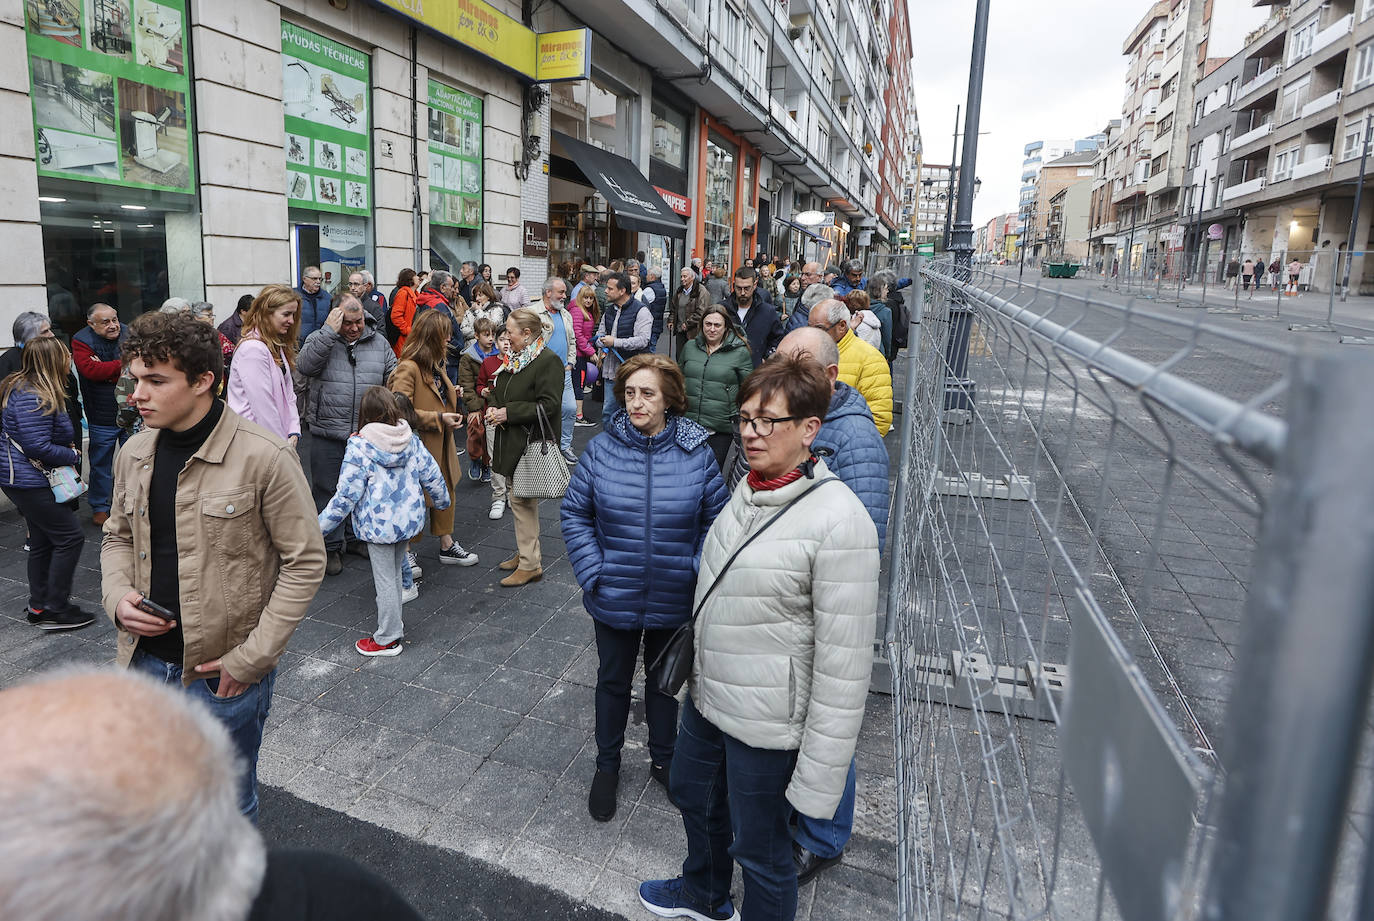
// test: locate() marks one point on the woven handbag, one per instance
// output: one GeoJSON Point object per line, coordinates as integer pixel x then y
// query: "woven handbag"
{"type": "Point", "coordinates": [541, 473]}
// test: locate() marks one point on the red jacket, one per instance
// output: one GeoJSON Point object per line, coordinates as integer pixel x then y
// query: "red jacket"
{"type": "Point", "coordinates": [402, 313]}
{"type": "Point", "coordinates": [484, 378]}
{"type": "Point", "coordinates": [91, 367]}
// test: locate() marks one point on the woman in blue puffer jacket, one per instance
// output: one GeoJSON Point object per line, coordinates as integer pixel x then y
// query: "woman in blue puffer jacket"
{"type": "Point", "coordinates": [634, 517]}
{"type": "Point", "coordinates": [38, 436]}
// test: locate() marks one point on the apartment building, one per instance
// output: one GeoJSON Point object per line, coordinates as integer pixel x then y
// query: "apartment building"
{"type": "Point", "coordinates": [933, 195]}
{"type": "Point", "coordinates": [1057, 222]}
{"type": "Point", "coordinates": [1299, 114]}
{"type": "Point", "coordinates": [1102, 210]}
{"type": "Point", "coordinates": [1213, 226]}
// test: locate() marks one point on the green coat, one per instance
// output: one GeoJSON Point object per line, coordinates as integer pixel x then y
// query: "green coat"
{"type": "Point", "coordinates": [540, 382]}
{"type": "Point", "coordinates": [713, 380]}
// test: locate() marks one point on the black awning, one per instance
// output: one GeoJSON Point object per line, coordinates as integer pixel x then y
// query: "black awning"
{"type": "Point", "coordinates": [637, 204]}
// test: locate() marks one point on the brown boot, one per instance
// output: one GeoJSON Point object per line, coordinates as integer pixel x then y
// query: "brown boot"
{"type": "Point", "coordinates": [522, 576]}
{"type": "Point", "coordinates": [511, 563]}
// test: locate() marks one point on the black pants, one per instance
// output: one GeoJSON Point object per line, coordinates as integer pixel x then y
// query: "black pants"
{"type": "Point", "coordinates": [617, 650]}
{"type": "Point", "coordinates": [326, 460]}
{"type": "Point", "coordinates": [720, 446]}
{"type": "Point", "coordinates": [55, 542]}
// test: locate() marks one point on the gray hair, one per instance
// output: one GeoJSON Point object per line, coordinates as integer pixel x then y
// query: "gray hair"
{"type": "Point", "coordinates": [174, 305]}
{"type": "Point", "coordinates": [438, 278]}
{"type": "Point", "coordinates": [551, 282]}
{"type": "Point", "coordinates": [367, 277]}
{"type": "Point", "coordinates": [90, 311]}
{"type": "Point", "coordinates": [835, 310]}
{"type": "Point", "coordinates": [654, 271]}
{"type": "Point", "coordinates": [202, 310]}
{"type": "Point", "coordinates": [816, 293]}
{"type": "Point", "coordinates": [350, 304]}
{"type": "Point", "coordinates": [469, 264]}
{"type": "Point", "coordinates": [28, 325]}
{"type": "Point", "coordinates": [882, 281]}
{"type": "Point", "coordinates": [852, 265]}
{"type": "Point", "coordinates": [156, 852]}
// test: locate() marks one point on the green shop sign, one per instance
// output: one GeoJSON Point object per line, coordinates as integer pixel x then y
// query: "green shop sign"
{"type": "Point", "coordinates": [111, 91]}
{"type": "Point", "coordinates": [455, 158]}
{"type": "Point", "coordinates": [325, 96]}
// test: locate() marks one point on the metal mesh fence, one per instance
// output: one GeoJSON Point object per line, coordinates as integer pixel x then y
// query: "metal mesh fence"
{"type": "Point", "coordinates": [1078, 510]}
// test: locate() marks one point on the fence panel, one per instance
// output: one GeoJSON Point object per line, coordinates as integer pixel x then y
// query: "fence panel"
{"type": "Point", "coordinates": [1076, 515]}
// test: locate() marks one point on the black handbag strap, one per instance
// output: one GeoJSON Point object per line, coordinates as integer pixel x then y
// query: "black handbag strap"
{"type": "Point", "coordinates": [766, 525]}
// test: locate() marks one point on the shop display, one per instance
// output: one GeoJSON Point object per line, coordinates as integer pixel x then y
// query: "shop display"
{"type": "Point", "coordinates": [111, 97]}
{"type": "Point", "coordinates": [455, 158]}
{"type": "Point", "coordinates": [325, 87]}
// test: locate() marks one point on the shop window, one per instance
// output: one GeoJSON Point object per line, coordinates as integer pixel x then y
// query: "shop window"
{"type": "Point", "coordinates": [568, 108]}
{"type": "Point", "coordinates": [612, 118]}
{"type": "Point", "coordinates": [669, 136]}
{"type": "Point", "coordinates": [719, 203]}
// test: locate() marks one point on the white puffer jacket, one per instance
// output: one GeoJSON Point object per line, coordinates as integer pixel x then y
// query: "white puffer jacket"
{"type": "Point", "coordinates": [784, 646]}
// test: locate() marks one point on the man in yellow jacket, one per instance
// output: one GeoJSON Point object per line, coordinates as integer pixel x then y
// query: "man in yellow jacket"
{"type": "Point", "coordinates": [861, 365]}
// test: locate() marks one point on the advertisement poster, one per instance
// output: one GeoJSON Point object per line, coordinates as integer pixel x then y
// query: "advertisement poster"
{"type": "Point", "coordinates": [455, 158]}
{"type": "Point", "coordinates": [342, 248]}
{"type": "Point", "coordinates": [325, 95]}
{"type": "Point", "coordinates": [111, 100]}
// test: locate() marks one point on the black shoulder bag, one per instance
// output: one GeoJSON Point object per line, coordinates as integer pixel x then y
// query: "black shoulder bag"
{"type": "Point", "coordinates": [674, 663]}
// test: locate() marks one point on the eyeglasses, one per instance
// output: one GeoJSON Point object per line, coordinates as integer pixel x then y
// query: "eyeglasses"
{"type": "Point", "coordinates": [314, 278]}
{"type": "Point", "coordinates": [827, 327]}
{"type": "Point", "coordinates": [763, 425]}
{"type": "Point", "coordinates": [356, 284]}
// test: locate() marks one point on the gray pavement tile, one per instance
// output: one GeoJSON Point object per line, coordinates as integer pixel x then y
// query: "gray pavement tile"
{"type": "Point", "coordinates": [392, 810]}
{"type": "Point", "coordinates": [618, 892]}
{"type": "Point", "coordinates": [325, 787]}
{"type": "Point", "coordinates": [467, 836]}
{"type": "Point", "coordinates": [555, 589]}
{"type": "Point", "coordinates": [309, 734]}
{"type": "Point", "coordinates": [368, 751]}
{"type": "Point", "coordinates": [282, 711]}
{"type": "Point", "coordinates": [360, 692]}
{"type": "Point", "coordinates": [501, 796]}
{"type": "Point", "coordinates": [475, 728]}
{"type": "Point", "coordinates": [512, 689]}
{"type": "Point", "coordinates": [547, 657]}
{"type": "Point", "coordinates": [1190, 651]}
{"type": "Point", "coordinates": [489, 644]}
{"type": "Point", "coordinates": [414, 709]}
{"type": "Point", "coordinates": [531, 860]}
{"type": "Point", "coordinates": [837, 898]}
{"type": "Point", "coordinates": [569, 704]}
{"type": "Point", "coordinates": [1227, 589]}
{"type": "Point", "coordinates": [651, 838]}
{"type": "Point", "coordinates": [499, 540]}
{"type": "Point", "coordinates": [417, 655]}
{"type": "Point", "coordinates": [276, 769]}
{"type": "Point", "coordinates": [562, 823]}
{"type": "Point", "coordinates": [310, 635]}
{"type": "Point", "coordinates": [430, 773]}
{"type": "Point", "coordinates": [454, 674]}
{"type": "Point", "coordinates": [583, 669]}
{"type": "Point", "coordinates": [341, 611]}
{"type": "Point", "coordinates": [520, 615]}
{"type": "Point", "coordinates": [544, 747]}
{"type": "Point", "coordinates": [569, 625]}
{"type": "Point", "coordinates": [308, 678]}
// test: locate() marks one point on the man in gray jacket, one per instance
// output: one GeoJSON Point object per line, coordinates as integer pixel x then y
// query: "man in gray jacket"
{"type": "Point", "coordinates": [341, 360]}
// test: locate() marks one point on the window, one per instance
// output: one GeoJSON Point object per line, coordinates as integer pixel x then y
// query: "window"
{"type": "Point", "coordinates": [1284, 161]}
{"type": "Point", "coordinates": [730, 29]}
{"type": "Point", "coordinates": [755, 62]}
{"type": "Point", "coordinates": [1364, 65]}
{"type": "Point", "coordinates": [1294, 98]}
{"type": "Point", "coordinates": [669, 135]}
{"type": "Point", "coordinates": [1300, 42]}
{"type": "Point", "coordinates": [1366, 10]}
{"type": "Point", "coordinates": [1164, 125]}
{"type": "Point", "coordinates": [1226, 139]}
{"type": "Point", "coordinates": [1350, 142]}
{"type": "Point", "coordinates": [1197, 109]}
{"type": "Point", "coordinates": [1159, 164]}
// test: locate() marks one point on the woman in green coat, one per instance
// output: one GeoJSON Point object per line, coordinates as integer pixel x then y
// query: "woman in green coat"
{"type": "Point", "coordinates": [530, 377]}
{"type": "Point", "coordinates": [714, 365]}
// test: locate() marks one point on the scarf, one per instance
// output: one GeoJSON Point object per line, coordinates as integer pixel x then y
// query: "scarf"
{"type": "Point", "coordinates": [519, 361]}
{"type": "Point", "coordinates": [759, 484]}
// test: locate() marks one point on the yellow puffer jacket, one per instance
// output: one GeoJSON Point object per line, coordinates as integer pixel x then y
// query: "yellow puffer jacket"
{"type": "Point", "coordinates": [865, 369]}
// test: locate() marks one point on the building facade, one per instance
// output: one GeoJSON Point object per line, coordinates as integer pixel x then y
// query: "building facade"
{"type": "Point", "coordinates": [1055, 225]}
{"type": "Point", "coordinates": [1212, 228]}
{"type": "Point", "coordinates": [934, 193]}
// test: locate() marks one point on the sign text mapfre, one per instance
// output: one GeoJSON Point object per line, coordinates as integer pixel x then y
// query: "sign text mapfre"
{"type": "Point", "coordinates": [680, 204]}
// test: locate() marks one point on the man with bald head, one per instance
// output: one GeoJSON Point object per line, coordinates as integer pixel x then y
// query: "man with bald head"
{"type": "Point", "coordinates": [861, 365]}
{"type": "Point", "coordinates": [120, 803]}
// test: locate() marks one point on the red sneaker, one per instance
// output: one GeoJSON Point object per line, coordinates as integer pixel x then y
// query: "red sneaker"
{"type": "Point", "coordinates": [367, 646]}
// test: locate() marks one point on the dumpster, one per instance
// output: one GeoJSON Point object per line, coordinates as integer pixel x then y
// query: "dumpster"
{"type": "Point", "coordinates": [1062, 269]}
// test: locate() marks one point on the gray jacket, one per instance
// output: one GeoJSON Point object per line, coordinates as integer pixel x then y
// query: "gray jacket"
{"type": "Point", "coordinates": [336, 384]}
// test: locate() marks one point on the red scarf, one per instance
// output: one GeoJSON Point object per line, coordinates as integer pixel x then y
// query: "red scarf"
{"type": "Point", "coordinates": [759, 484]}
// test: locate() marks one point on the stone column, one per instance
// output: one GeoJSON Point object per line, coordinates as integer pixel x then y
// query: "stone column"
{"type": "Point", "coordinates": [240, 136]}
{"type": "Point", "coordinates": [21, 233]}
{"type": "Point", "coordinates": [393, 188]}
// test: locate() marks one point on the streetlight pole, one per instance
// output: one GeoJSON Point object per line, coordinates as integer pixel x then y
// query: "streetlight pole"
{"type": "Point", "coordinates": [1355, 213]}
{"type": "Point", "coordinates": [949, 200]}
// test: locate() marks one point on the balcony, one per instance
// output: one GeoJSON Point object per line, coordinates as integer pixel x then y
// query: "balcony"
{"type": "Point", "coordinates": [1242, 189]}
{"type": "Point", "coordinates": [1321, 103]}
{"type": "Point", "coordinates": [1312, 167]}
{"type": "Point", "coordinates": [1333, 33]}
{"type": "Point", "coordinates": [1105, 228]}
{"type": "Point", "coordinates": [1259, 81]}
{"type": "Point", "coordinates": [1254, 134]}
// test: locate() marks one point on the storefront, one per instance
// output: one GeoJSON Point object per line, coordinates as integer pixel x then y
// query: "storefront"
{"type": "Point", "coordinates": [727, 187]}
{"type": "Point", "coordinates": [669, 172]}
{"type": "Point", "coordinates": [455, 177]}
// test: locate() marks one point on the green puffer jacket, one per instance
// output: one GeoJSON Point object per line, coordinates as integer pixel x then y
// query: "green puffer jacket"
{"type": "Point", "coordinates": [713, 380]}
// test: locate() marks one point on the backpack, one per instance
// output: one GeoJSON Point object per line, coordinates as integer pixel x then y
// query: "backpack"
{"type": "Point", "coordinates": [901, 319]}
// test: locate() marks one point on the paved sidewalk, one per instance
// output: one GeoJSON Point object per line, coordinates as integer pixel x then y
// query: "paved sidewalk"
{"type": "Point", "coordinates": [478, 738]}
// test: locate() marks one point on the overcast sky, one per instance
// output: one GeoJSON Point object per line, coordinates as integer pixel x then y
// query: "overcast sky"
{"type": "Point", "coordinates": [1054, 70]}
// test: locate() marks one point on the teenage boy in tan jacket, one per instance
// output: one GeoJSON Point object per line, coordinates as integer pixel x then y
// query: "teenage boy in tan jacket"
{"type": "Point", "coordinates": [212, 521]}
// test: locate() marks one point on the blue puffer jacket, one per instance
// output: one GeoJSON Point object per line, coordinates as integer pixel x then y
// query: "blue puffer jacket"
{"type": "Point", "coordinates": [385, 475]}
{"type": "Point", "coordinates": [634, 518]}
{"type": "Point", "coordinates": [43, 438]}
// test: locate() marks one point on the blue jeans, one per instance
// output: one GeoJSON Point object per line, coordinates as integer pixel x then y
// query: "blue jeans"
{"type": "Point", "coordinates": [608, 403]}
{"type": "Point", "coordinates": [569, 412]}
{"type": "Point", "coordinates": [827, 837]}
{"type": "Point", "coordinates": [100, 456]}
{"type": "Point", "coordinates": [243, 715]}
{"type": "Point", "coordinates": [734, 808]}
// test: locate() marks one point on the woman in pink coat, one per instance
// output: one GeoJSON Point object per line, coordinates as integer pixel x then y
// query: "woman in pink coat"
{"type": "Point", "coordinates": [586, 314]}
{"type": "Point", "coordinates": [260, 388]}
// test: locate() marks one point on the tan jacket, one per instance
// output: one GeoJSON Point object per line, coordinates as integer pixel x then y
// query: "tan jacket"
{"type": "Point", "coordinates": [252, 555]}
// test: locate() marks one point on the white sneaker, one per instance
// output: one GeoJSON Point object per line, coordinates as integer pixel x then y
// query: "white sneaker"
{"type": "Point", "coordinates": [415, 570]}
{"type": "Point", "coordinates": [410, 594]}
{"type": "Point", "coordinates": [498, 508]}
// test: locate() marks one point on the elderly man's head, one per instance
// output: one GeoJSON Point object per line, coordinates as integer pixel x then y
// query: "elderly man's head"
{"type": "Point", "coordinates": [810, 274]}
{"type": "Point", "coordinates": [103, 321]}
{"type": "Point", "coordinates": [830, 316]}
{"type": "Point", "coordinates": [354, 320]}
{"type": "Point", "coordinates": [816, 345]}
{"type": "Point", "coordinates": [120, 800]}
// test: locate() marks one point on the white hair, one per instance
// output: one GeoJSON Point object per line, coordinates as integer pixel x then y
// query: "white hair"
{"type": "Point", "coordinates": [202, 309]}
{"type": "Point", "coordinates": [835, 310]}
{"type": "Point", "coordinates": [367, 277]}
{"type": "Point", "coordinates": [73, 844]}
{"type": "Point", "coordinates": [552, 282]}
{"type": "Point", "coordinates": [816, 293]}
{"type": "Point", "coordinates": [654, 271]}
{"type": "Point", "coordinates": [174, 305]}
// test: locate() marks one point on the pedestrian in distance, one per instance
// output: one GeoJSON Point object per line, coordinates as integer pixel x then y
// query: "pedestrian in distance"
{"type": "Point", "coordinates": [787, 594]}
{"type": "Point", "coordinates": [756, 316]}
{"type": "Point", "coordinates": [1232, 272]}
{"type": "Point", "coordinates": [500, 491]}
{"type": "Point", "coordinates": [95, 353]}
{"type": "Point", "coordinates": [529, 380]}
{"type": "Point", "coordinates": [561, 338]}
{"type": "Point", "coordinates": [261, 388]}
{"type": "Point", "coordinates": [484, 304]}
{"type": "Point", "coordinates": [402, 311]}
{"type": "Point", "coordinates": [315, 302]}
{"type": "Point", "coordinates": [469, 369]}
{"type": "Point", "coordinates": [386, 476]}
{"type": "Point", "coordinates": [626, 326]}
{"type": "Point", "coordinates": [1275, 274]}
{"type": "Point", "coordinates": [514, 296]}
{"type": "Point", "coordinates": [862, 319]}
{"type": "Point", "coordinates": [1247, 274]}
{"type": "Point", "coordinates": [634, 517]}
{"type": "Point", "coordinates": [484, 271]}
{"type": "Point", "coordinates": [206, 493]}
{"type": "Point", "coordinates": [232, 327]}
{"type": "Point", "coordinates": [688, 306]}
{"type": "Point", "coordinates": [586, 314]}
{"type": "Point", "coordinates": [38, 437]}
{"type": "Point", "coordinates": [1294, 270]}
{"type": "Point", "coordinates": [714, 366]}
{"type": "Point", "coordinates": [1260, 272]}
{"type": "Point", "coordinates": [717, 285]}
{"type": "Point", "coordinates": [421, 377]}
{"type": "Point", "coordinates": [861, 366]}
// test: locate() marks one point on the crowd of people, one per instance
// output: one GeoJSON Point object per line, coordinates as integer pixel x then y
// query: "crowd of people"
{"type": "Point", "coordinates": [772, 390]}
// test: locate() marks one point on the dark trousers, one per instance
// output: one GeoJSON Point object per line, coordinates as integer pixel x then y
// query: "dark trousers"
{"type": "Point", "coordinates": [734, 808]}
{"type": "Point", "coordinates": [326, 460]}
{"type": "Point", "coordinates": [617, 651]}
{"type": "Point", "coordinates": [55, 542]}
{"type": "Point", "coordinates": [720, 446]}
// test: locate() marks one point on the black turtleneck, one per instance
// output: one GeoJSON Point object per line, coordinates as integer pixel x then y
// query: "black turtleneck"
{"type": "Point", "coordinates": [173, 450]}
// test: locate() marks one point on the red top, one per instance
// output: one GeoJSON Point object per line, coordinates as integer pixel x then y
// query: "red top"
{"type": "Point", "coordinates": [485, 375]}
{"type": "Point", "coordinates": [92, 368]}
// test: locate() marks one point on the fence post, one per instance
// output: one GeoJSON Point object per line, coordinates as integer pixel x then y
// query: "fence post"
{"type": "Point", "coordinates": [1302, 680]}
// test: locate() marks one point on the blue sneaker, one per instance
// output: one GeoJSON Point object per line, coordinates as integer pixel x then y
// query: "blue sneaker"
{"type": "Point", "coordinates": [475, 472]}
{"type": "Point", "coordinates": [664, 898]}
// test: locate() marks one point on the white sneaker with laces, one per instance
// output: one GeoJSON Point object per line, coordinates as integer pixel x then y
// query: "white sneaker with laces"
{"type": "Point", "coordinates": [498, 508]}
{"type": "Point", "coordinates": [410, 594]}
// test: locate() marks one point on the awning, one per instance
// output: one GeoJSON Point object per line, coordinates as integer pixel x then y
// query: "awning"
{"type": "Point", "coordinates": [636, 203]}
{"type": "Point", "coordinates": [795, 226]}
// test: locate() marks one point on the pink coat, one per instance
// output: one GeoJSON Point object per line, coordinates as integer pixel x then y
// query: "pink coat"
{"type": "Point", "coordinates": [260, 391]}
{"type": "Point", "coordinates": [584, 329]}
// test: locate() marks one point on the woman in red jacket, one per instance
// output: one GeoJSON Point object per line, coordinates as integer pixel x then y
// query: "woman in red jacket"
{"type": "Point", "coordinates": [403, 305]}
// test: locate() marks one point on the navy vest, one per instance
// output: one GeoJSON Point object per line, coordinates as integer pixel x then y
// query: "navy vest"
{"type": "Point", "coordinates": [625, 328]}
{"type": "Point", "coordinates": [99, 396]}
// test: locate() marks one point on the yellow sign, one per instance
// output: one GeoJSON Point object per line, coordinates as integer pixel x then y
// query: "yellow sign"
{"type": "Point", "coordinates": [506, 41]}
{"type": "Point", "coordinates": [563, 56]}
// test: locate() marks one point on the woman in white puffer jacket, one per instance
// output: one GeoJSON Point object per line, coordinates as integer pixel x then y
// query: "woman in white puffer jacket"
{"type": "Point", "coordinates": [784, 649]}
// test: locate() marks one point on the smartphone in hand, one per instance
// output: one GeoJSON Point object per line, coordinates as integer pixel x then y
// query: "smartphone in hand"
{"type": "Point", "coordinates": [155, 609]}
